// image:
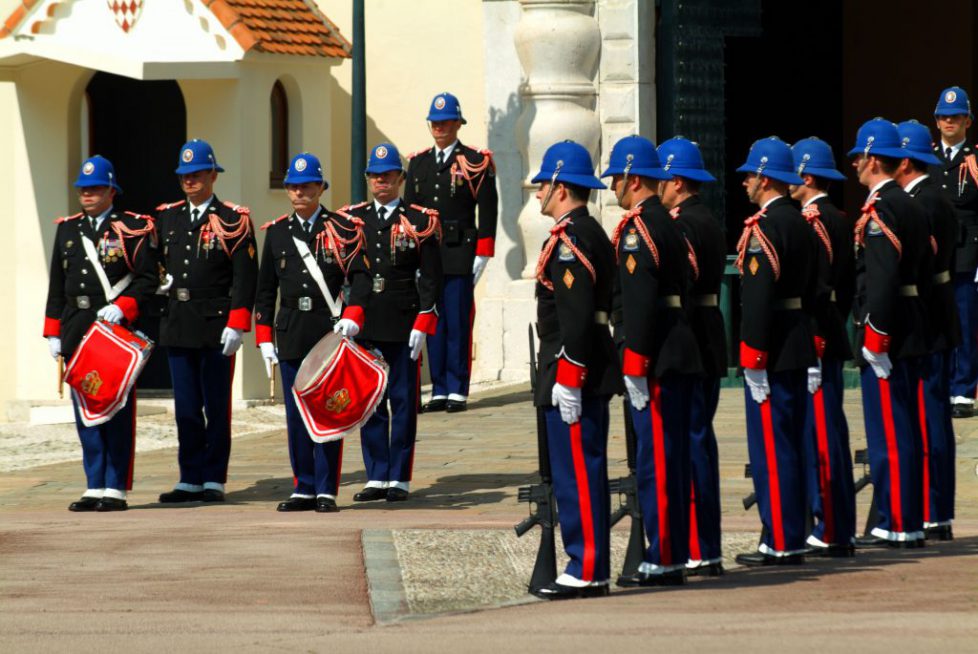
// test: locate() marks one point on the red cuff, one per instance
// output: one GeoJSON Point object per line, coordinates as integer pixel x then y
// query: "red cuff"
{"type": "Point", "coordinates": [129, 306]}
{"type": "Point", "coordinates": [52, 327]}
{"type": "Point", "coordinates": [570, 374]}
{"type": "Point", "coordinates": [751, 358]}
{"type": "Point", "coordinates": [485, 247]}
{"type": "Point", "coordinates": [426, 322]}
{"type": "Point", "coordinates": [355, 314]}
{"type": "Point", "coordinates": [819, 346]}
{"type": "Point", "coordinates": [876, 341]}
{"type": "Point", "coordinates": [263, 334]}
{"type": "Point", "coordinates": [635, 364]}
{"type": "Point", "coordinates": [240, 319]}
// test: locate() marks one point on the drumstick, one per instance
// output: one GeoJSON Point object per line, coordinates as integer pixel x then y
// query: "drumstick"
{"type": "Point", "coordinates": [61, 377]}
{"type": "Point", "coordinates": [271, 383]}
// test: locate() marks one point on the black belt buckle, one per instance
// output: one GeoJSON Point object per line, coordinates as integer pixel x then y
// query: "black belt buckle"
{"type": "Point", "coordinates": [378, 284]}
{"type": "Point", "coordinates": [183, 295]}
{"type": "Point", "coordinates": [83, 302]}
{"type": "Point", "coordinates": [305, 303]}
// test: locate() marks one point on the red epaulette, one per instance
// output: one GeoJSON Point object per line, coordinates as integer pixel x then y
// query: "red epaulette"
{"type": "Point", "coordinates": [414, 154]}
{"type": "Point", "coordinates": [272, 222]}
{"type": "Point", "coordinates": [237, 208]}
{"type": "Point", "coordinates": [348, 207]}
{"type": "Point", "coordinates": [140, 216]}
{"type": "Point", "coordinates": [64, 219]}
{"type": "Point", "coordinates": [170, 205]}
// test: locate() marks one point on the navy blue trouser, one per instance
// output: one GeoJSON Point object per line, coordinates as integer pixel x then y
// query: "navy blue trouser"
{"type": "Point", "coordinates": [828, 463]}
{"type": "Point", "coordinates": [775, 446]}
{"type": "Point", "coordinates": [893, 441]}
{"type": "Point", "coordinates": [316, 466]}
{"type": "Point", "coordinates": [108, 450]}
{"type": "Point", "coordinates": [938, 440]}
{"type": "Point", "coordinates": [387, 438]}
{"type": "Point", "coordinates": [704, 498]}
{"type": "Point", "coordinates": [964, 361]}
{"type": "Point", "coordinates": [202, 404]}
{"type": "Point", "coordinates": [662, 468]}
{"type": "Point", "coordinates": [450, 349]}
{"type": "Point", "coordinates": [579, 465]}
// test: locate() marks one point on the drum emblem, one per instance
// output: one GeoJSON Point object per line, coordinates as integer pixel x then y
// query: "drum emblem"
{"type": "Point", "coordinates": [338, 401]}
{"type": "Point", "coordinates": [91, 383]}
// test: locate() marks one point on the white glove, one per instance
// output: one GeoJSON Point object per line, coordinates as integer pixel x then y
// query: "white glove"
{"type": "Point", "coordinates": [416, 342]}
{"type": "Point", "coordinates": [54, 346]}
{"type": "Point", "coordinates": [757, 383]}
{"type": "Point", "coordinates": [880, 363]}
{"type": "Point", "coordinates": [478, 267]}
{"type": "Point", "coordinates": [568, 400]}
{"type": "Point", "coordinates": [110, 313]}
{"type": "Point", "coordinates": [165, 286]}
{"type": "Point", "coordinates": [346, 327]}
{"type": "Point", "coordinates": [231, 339]}
{"type": "Point", "coordinates": [269, 355]}
{"type": "Point", "coordinates": [638, 391]}
{"type": "Point", "coordinates": [976, 276]}
{"type": "Point", "coordinates": [815, 377]}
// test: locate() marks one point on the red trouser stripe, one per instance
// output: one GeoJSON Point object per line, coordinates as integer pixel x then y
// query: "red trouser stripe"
{"type": "Point", "coordinates": [886, 407]}
{"type": "Point", "coordinates": [583, 501]}
{"type": "Point", "coordinates": [132, 450]}
{"type": "Point", "coordinates": [471, 335]}
{"type": "Point", "coordinates": [922, 409]}
{"type": "Point", "coordinates": [659, 458]}
{"type": "Point", "coordinates": [417, 403]}
{"type": "Point", "coordinates": [824, 469]}
{"type": "Point", "coordinates": [694, 531]}
{"type": "Point", "coordinates": [230, 394]}
{"type": "Point", "coordinates": [773, 481]}
{"type": "Point", "coordinates": [339, 468]}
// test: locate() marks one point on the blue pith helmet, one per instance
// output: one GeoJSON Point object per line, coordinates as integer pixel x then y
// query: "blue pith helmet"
{"type": "Point", "coordinates": [771, 157]}
{"type": "Point", "coordinates": [383, 157]}
{"type": "Point", "coordinates": [197, 155]}
{"type": "Point", "coordinates": [878, 137]}
{"type": "Point", "coordinates": [680, 157]}
{"type": "Point", "coordinates": [568, 162]}
{"type": "Point", "coordinates": [813, 156]}
{"type": "Point", "coordinates": [953, 102]}
{"type": "Point", "coordinates": [305, 168]}
{"type": "Point", "coordinates": [917, 142]}
{"type": "Point", "coordinates": [635, 155]}
{"type": "Point", "coordinates": [445, 106]}
{"type": "Point", "coordinates": [97, 171]}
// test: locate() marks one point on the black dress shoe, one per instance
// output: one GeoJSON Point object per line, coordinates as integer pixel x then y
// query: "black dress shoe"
{"type": "Point", "coordinates": [176, 495]}
{"type": "Point", "coordinates": [456, 406]}
{"type": "Point", "coordinates": [396, 494]}
{"type": "Point", "coordinates": [671, 578]}
{"type": "Point", "coordinates": [211, 495]}
{"type": "Point", "coordinates": [941, 532]}
{"type": "Point", "coordinates": [962, 411]}
{"type": "Point", "coordinates": [326, 505]}
{"type": "Point", "coordinates": [435, 405]}
{"type": "Point", "coordinates": [84, 504]}
{"type": "Point", "coordinates": [370, 494]}
{"type": "Point", "coordinates": [557, 591]}
{"type": "Point", "coordinates": [759, 559]}
{"type": "Point", "coordinates": [706, 570]}
{"type": "Point", "coordinates": [832, 551]}
{"type": "Point", "coordinates": [297, 504]}
{"type": "Point", "coordinates": [111, 504]}
{"type": "Point", "coordinates": [863, 542]}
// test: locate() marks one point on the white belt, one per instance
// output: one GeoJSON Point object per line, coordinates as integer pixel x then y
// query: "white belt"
{"type": "Point", "coordinates": [671, 302]}
{"type": "Point", "coordinates": [708, 300]}
{"type": "Point", "coordinates": [908, 290]}
{"type": "Point", "coordinates": [601, 317]}
{"type": "Point", "coordinates": [789, 303]}
{"type": "Point", "coordinates": [942, 277]}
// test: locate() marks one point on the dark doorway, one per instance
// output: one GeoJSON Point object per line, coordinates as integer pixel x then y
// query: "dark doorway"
{"type": "Point", "coordinates": [140, 126]}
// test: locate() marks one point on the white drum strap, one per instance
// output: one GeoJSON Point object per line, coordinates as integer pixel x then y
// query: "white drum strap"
{"type": "Point", "coordinates": [111, 292]}
{"type": "Point", "coordinates": [309, 261]}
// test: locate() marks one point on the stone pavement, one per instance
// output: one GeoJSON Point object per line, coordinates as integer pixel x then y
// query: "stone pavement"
{"type": "Point", "coordinates": [241, 576]}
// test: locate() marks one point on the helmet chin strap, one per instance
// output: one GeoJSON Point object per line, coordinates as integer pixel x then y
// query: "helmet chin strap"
{"type": "Point", "coordinates": [553, 185]}
{"type": "Point", "coordinates": [620, 195]}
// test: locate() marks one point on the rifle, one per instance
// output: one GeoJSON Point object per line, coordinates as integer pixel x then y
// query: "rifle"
{"type": "Point", "coordinates": [543, 507]}
{"type": "Point", "coordinates": [627, 490]}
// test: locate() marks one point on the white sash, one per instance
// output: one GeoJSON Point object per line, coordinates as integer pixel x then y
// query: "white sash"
{"type": "Point", "coordinates": [111, 292]}
{"type": "Point", "coordinates": [309, 261]}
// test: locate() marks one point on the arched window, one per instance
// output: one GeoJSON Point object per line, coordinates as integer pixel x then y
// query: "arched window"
{"type": "Point", "coordinates": [280, 136]}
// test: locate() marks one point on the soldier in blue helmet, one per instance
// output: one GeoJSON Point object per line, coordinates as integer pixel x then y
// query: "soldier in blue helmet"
{"type": "Point", "coordinates": [579, 370]}
{"type": "Point", "coordinates": [892, 261]}
{"type": "Point", "coordinates": [942, 311]}
{"type": "Point", "coordinates": [459, 182]}
{"type": "Point", "coordinates": [776, 257]}
{"type": "Point", "coordinates": [681, 159]}
{"type": "Point", "coordinates": [660, 356]}
{"type": "Point", "coordinates": [103, 267]}
{"type": "Point", "coordinates": [957, 174]}
{"type": "Point", "coordinates": [831, 493]}
{"type": "Point", "coordinates": [309, 254]}
{"type": "Point", "coordinates": [208, 251]}
{"type": "Point", "coordinates": [399, 314]}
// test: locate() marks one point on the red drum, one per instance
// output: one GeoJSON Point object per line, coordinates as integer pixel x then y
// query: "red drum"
{"type": "Point", "coordinates": [104, 369]}
{"type": "Point", "coordinates": [338, 387]}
